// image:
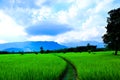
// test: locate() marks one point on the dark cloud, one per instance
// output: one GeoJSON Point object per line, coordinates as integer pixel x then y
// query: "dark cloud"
{"type": "Point", "coordinates": [47, 29]}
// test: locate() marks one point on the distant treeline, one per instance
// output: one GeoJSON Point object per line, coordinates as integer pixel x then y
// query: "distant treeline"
{"type": "Point", "coordinates": [88, 48]}
{"type": "Point", "coordinates": [4, 52]}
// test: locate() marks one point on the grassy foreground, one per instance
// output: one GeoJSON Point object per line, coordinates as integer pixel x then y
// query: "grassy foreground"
{"type": "Point", "coordinates": [31, 67]}
{"type": "Point", "coordinates": [99, 66]}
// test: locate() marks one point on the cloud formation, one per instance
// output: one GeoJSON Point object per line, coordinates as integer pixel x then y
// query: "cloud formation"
{"type": "Point", "coordinates": [9, 29]}
{"type": "Point", "coordinates": [58, 20]}
{"type": "Point", "coordinates": [47, 28]}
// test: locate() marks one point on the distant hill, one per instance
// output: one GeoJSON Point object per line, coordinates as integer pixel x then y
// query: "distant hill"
{"type": "Point", "coordinates": [30, 46]}
{"type": "Point", "coordinates": [84, 43]}
{"type": "Point", "coordinates": [13, 49]}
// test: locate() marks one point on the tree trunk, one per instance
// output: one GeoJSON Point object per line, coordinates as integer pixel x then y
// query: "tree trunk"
{"type": "Point", "coordinates": [116, 47]}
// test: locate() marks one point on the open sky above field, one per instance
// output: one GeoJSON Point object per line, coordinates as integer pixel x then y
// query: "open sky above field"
{"type": "Point", "coordinates": [54, 20]}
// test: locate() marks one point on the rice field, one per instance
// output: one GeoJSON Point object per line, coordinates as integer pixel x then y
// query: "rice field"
{"type": "Point", "coordinates": [95, 66]}
{"type": "Point", "coordinates": [31, 67]}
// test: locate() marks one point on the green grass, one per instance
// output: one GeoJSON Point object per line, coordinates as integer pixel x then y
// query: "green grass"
{"type": "Point", "coordinates": [99, 66]}
{"type": "Point", "coordinates": [31, 67]}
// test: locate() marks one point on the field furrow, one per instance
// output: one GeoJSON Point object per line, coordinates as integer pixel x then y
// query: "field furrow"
{"type": "Point", "coordinates": [70, 73]}
{"type": "Point", "coordinates": [97, 66]}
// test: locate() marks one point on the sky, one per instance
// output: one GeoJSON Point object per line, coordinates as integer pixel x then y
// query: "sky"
{"type": "Point", "coordinates": [62, 21]}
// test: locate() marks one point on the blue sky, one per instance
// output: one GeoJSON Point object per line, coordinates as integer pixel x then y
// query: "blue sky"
{"type": "Point", "coordinates": [62, 21]}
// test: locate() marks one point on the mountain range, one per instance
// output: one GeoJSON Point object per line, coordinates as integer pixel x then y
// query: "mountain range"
{"type": "Point", "coordinates": [30, 46]}
{"type": "Point", "coordinates": [47, 45]}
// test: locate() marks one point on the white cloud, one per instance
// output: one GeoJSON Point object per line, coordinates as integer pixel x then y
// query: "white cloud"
{"type": "Point", "coordinates": [65, 1]}
{"type": "Point", "coordinates": [40, 38]}
{"type": "Point", "coordinates": [103, 6]}
{"type": "Point", "coordinates": [94, 21]}
{"type": "Point", "coordinates": [86, 17]}
{"type": "Point", "coordinates": [77, 35]}
{"type": "Point", "coordinates": [72, 12]}
{"type": "Point", "coordinates": [68, 16]}
{"type": "Point", "coordinates": [62, 17]}
{"type": "Point", "coordinates": [41, 14]}
{"type": "Point", "coordinates": [9, 29]}
{"type": "Point", "coordinates": [2, 41]}
{"type": "Point", "coordinates": [39, 2]}
{"type": "Point", "coordinates": [83, 4]}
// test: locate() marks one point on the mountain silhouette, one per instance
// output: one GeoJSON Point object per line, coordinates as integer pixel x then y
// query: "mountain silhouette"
{"type": "Point", "coordinates": [30, 46]}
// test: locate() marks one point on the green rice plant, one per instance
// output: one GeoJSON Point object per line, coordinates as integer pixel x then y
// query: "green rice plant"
{"type": "Point", "coordinates": [99, 66]}
{"type": "Point", "coordinates": [31, 67]}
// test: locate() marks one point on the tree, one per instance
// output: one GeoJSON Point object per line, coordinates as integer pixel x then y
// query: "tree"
{"type": "Point", "coordinates": [88, 48]}
{"type": "Point", "coordinates": [112, 36]}
{"type": "Point", "coordinates": [41, 50]}
{"type": "Point", "coordinates": [36, 53]}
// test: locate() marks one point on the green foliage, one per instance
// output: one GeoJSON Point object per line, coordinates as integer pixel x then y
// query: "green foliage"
{"type": "Point", "coordinates": [99, 66]}
{"type": "Point", "coordinates": [41, 50]}
{"type": "Point", "coordinates": [36, 53]}
{"type": "Point", "coordinates": [112, 36]}
{"type": "Point", "coordinates": [89, 48]}
{"type": "Point", "coordinates": [30, 67]}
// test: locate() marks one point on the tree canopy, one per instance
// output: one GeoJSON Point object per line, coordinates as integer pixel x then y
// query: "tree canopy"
{"type": "Point", "coordinates": [112, 35]}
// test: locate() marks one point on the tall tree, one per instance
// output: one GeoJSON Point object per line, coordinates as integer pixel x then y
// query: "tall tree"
{"type": "Point", "coordinates": [41, 50]}
{"type": "Point", "coordinates": [112, 36]}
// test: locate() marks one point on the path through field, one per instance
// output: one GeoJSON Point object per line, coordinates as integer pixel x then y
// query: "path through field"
{"type": "Point", "coordinates": [70, 73]}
